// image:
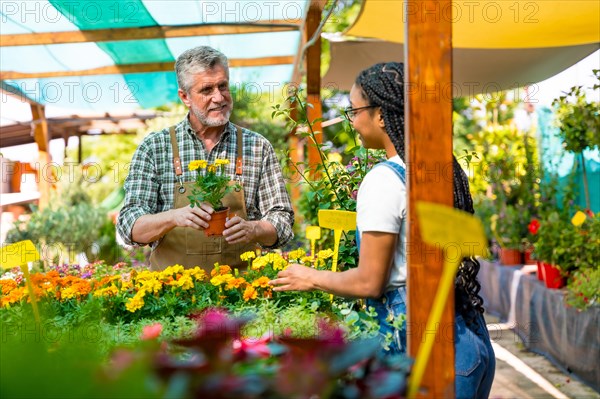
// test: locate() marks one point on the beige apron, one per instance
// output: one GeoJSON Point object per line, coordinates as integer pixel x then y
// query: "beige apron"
{"type": "Point", "coordinates": [190, 247]}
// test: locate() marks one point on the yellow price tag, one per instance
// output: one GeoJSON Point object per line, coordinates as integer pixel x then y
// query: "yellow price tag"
{"type": "Point", "coordinates": [18, 254]}
{"type": "Point", "coordinates": [313, 232]}
{"type": "Point", "coordinates": [337, 220]}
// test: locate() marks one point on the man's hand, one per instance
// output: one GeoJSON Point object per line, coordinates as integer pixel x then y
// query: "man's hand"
{"type": "Point", "coordinates": [240, 231]}
{"type": "Point", "coordinates": [196, 217]}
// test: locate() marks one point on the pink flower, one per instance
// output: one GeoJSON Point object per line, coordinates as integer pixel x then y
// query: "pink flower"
{"type": "Point", "coordinates": [252, 347]}
{"type": "Point", "coordinates": [152, 331]}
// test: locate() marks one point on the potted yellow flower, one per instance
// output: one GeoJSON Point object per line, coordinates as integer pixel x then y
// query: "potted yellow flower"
{"type": "Point", "coordinates": [211, 185]}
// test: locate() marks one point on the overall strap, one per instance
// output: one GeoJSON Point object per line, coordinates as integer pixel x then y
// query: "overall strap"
{"type": "Point", "coordinates": [398, 169]}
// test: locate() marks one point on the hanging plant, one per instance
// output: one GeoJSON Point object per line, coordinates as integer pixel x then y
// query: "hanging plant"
{"type": "Point", "coordinates": [579, 124]}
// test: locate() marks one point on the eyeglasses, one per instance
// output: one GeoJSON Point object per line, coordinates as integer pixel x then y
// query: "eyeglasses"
{"type": "Point", "coordinates": [351, 112]}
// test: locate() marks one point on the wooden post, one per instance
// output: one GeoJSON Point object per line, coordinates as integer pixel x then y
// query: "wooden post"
{"type": "Point", "coordinates": [429, 153]}
{"type": "Point", "coordinates": [296, 147]}
{"type": "Point", "coordinates": [42, 138]}
{"type": "Point", "coordinates": [313, 81]}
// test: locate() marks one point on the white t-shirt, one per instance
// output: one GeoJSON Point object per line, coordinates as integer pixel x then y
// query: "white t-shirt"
{"type": "Point", "coordinates": [381, 206]}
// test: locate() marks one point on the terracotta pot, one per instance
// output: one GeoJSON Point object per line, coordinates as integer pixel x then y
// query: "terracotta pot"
{"type": "Point", "coordinates": [510, 257]}
{"type": "Point", "coordinates": [540, 271]}
{"type": "Point", "coordinates": [216, 225]}
{"type": "Point", "coordinates": [553, 277]}
{"type": "Point", "coordinates": [528, 259]}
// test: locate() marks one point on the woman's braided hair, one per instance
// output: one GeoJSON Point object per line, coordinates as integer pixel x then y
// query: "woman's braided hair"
{"type": "Point", "coordinates": [382, 85]}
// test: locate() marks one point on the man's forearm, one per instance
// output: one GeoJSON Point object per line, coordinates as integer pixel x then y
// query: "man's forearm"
{"type": "Point", "coordinates": [265, 233]}
{"type": "Point", "coordinates": [149, 228]}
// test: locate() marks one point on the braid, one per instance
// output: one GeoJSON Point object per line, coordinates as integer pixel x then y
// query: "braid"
{"type": "Point", "coordinates": [382, 85]}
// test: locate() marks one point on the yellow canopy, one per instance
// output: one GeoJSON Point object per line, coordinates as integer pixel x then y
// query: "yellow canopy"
{"type": "Point", "coordinates": [490, 24]}
{"type": "Point", "coordinates": [497, 45]}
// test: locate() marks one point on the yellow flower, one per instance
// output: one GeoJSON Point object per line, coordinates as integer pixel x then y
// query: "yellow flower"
{"type": "Point", "coordinates": [262, 282]}
{"type": "Point", "coordinates": [137, 302]}
{"type": "Point", "coordinates": [197, 164]}
{"type": "Point", "coordinates": [325, 254]}
{"type": "Point", "coordinates": [185, 282]}
{"type": "Point", "coordinates": [250, 293]}
{"type": "Point", "coordinates": [220, 161]}
{"type": "Point", "coordinates": [248, 255]}
{"type": "Point", "coordinates": [297, 254]}
{"type": "Point", "coordinates": [578, 219]}
{"type": "Point", "coordinates": [198, 273]}
{"type": "Point", "coordinates": [259, 263]}
{"type": "Point", "coordinates": [211, 168]}
{"type": "Point", "coordinates": [221, 279]}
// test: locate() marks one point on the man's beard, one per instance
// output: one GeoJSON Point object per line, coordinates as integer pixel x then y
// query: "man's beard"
{"type": "Point", "coordinates": [211, 122]}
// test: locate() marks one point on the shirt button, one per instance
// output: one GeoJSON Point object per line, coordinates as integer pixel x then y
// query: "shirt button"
{"type": "Point", "coordinates": [384, 300]}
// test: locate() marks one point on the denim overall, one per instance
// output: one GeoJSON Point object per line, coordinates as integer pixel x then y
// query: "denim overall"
{"type": "Point", "coordinates": [474, 361]}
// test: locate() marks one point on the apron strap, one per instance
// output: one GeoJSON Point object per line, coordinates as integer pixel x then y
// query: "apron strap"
{"type": "Point", "coordinates": [176, 158]}
{"type": "Point", "coordinates": [175, 147]}
{"type": "Point", "coordinates": [239, 163]}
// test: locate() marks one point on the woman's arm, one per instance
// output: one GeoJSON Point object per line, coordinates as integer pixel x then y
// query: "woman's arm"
{"type": "Point", "coordinates": [368, 280]}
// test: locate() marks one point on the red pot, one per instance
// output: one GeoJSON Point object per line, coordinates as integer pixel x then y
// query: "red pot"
{"type": "Point", "coordinates": [528, 259]}
{"type": "Point", "coordinates": [540, 271]}
{"type": "Point", "coordinates": [216, 225]}
{"type": "Point", "coordinates": [553, 277]}
{"type": "Point", "coordinates": [510, 257]}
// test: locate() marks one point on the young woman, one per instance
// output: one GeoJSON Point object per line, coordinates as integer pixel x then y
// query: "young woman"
{"type": "Point", "coordinates": [377, 114]}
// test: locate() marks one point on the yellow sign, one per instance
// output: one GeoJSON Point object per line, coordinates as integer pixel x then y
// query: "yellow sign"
{"type": "Point", "coordinates": [18, 254]}
{"type": "Point", "coordinates": [447, 227]}
{"type": "Point", "coordinates": [313, 232]}
{"type": "Point", "coordinates": [337, 220]}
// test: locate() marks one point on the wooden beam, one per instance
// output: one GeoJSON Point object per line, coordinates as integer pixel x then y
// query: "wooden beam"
{"type": "Point", "coordinates": [146, 32]}
{"type": "Point", "coordinates": [313, 83]}
{"type": "Point", "coordinates": [40, 132]}
{"type": "Point", "coordinates": [429, 153]}
{"type": "Point", "coordinates": [142, 68]}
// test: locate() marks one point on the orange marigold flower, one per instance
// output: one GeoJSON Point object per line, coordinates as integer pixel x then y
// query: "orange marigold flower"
{"type": "Point", "coordinates": [262, 282]}
{"type": "Point", "coordinates": [235, 283]}
{"type": "Point", "coordinates": [223, 269]}
{"type": "Point", "coordinates": [250, 293]}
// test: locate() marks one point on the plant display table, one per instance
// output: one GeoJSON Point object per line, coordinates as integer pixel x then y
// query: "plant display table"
{"type": "Point", "coordinates": [545, 323]}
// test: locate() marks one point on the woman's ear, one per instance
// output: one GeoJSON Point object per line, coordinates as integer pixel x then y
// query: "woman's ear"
{"type": "Point", "coordinates": [380, 120]}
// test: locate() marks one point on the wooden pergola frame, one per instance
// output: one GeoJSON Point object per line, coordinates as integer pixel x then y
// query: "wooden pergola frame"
{"type": "Point", "coordinates": [428, 146]}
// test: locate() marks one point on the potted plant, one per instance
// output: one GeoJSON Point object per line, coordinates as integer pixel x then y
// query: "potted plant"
{"type": "Point", "coordinates": [556, 247]}
{"type": "Point", "coordinates": [509, 226]}
{"type": "Point", "coordinates": [210, 186]}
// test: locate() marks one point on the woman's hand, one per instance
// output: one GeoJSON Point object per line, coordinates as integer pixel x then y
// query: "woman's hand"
{"type": "Point", "coordinates": [295, 278]}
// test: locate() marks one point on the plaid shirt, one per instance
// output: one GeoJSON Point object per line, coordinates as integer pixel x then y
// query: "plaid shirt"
{"type": "Point", "coordinates": [151, 180]}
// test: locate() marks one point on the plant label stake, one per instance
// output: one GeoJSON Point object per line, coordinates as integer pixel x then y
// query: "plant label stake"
{"type": "Point", "coordinates": [338, 221]}
{"type": "Point", "coordinates": [313, 233]}
{"type": "Point", "coordinates": [19, 254]}
{"type": "Point", "coordinates": [449, 228]}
